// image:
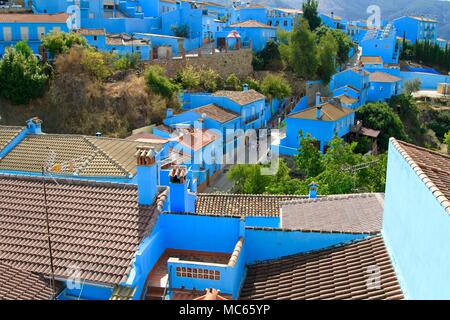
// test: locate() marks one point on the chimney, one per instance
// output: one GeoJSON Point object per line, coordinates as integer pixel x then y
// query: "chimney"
{"type": "Point", "coordinates": [169, 113]}
{"type": "Point", "coordinates": [245, 87]}
{"type": "Point", "coordinates": [313, 190]}
{"type": "Point", "coordinates": [34, 126]}
{"type": "Point", "coordinates": [98, 134]}
{"type": "Point", "coordinates": [332, 15]}
{"type": "Point", "coordinates": [181, 199]}
{"type": "Point", "coordinates": [319, 112]}
{"type": "Point", "coordinates": [345, 91]}
{"type": "Point", "coordinates": [147, 175]}
{"type": "Point", "coordinates": [318, 99]}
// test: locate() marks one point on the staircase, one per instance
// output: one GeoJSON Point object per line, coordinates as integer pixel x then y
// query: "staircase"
{"type": "Point", "coordinates": [130, 8]}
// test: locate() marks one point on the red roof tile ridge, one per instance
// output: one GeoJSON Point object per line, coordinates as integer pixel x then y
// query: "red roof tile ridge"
{"type": "Point", "coordinates": [445, 203]}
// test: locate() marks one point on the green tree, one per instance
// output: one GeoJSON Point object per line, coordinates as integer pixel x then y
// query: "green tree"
{"type": "Point", "coordinates": [181, 31]}
{"type": "Point", "coordinates": [57, 42]}
{"type": "Point", "coordinates": [210, 80]}
{"type": "Point", "coordinates": [159, 84]}
{"type": "Point", "coordinates": [283, 183]}
{"type": "Point", "coordinates": [22, 76]}
{"type": "Point", "coordinates": [248, 179]}
{"type": "Point", "coordinates": [275, 87]}
{"type": "Point", "coordinates": [447, 141]}
{"type": "Point", "coordinates": [327, 51]}
{"type": "Point", "coordinates": [269, 58]}
{"type": "Point", "coordinates": [311, 14]}
{"type": "Point", "coordinates": [380, 116]}
{"type": "Point", "coordinates": [344, 43]}
{"type": "Point", "coordinates": [303, 51]}
{"type": "Point", "coordinates": [309, 158]}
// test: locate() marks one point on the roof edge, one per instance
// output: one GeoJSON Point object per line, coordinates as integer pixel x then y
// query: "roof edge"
{"type": "Point", "coordinates": [440, 197]}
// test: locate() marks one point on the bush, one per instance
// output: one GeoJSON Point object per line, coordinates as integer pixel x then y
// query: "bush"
{"type": "Point", "coordinates": [159, 84]}
{"type": "Point", "coordinates": [59, 42]}
{"type": "Point", "coordinates": [96, 64]}
{"type": "Point", "coordinates": [233, 83]}
{"type": "Point", "coordinates": [128, 61]}
{"type": "Point", "coordinates": [22, 75]}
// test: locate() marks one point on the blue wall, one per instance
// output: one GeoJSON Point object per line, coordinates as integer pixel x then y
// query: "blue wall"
{"type": "Point", "coordinates": [428, 80]}
{"type": "Point", "coordinates": [273, 244]}
{"type": "Point", "coordinates": [416, 230]}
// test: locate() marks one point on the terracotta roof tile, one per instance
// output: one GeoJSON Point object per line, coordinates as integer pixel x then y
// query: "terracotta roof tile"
{"type": "Point", "coordinates": [355, 213]}
{"type": "Point", "coordinates": [96, 227]}
{"type": "Point", "coordinates": [7, 134]}
{"type": "Point", "coordinates": [330, 112]}
{"type": "Point", "coordinates": [241, 204]}
{"type": "Point", "coordinates": [251, 24]}
{"type": "Point", "coordinates": [371, 60]}
{"type": "Point", "coordinates": [383, 77]}
{"type": "Point", "coordinates": [17, 284]}
{"type": "Point", "coordinates": [73, 154]}
{"type": "Point", "coordinates": [241, 97]}
{"type": "Point", "coordinates": [433, 168]}
{"type": "Point", "coordinates": [334, 273]}
{"type": "Point", "coordinates": [217, 113]}
{"type": "Point", "coordinates": [33, 18]}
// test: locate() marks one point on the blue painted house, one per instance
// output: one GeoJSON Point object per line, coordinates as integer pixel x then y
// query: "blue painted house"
{"type": "Point", "coordinates": [382, 43]}
{"type": "Point", "coordinates": [283, 18]}
{"type": "Point", "coordinates": [30, 28]}
{"type": "Point", "coordinates": [324, 121]}
{"type": "Point", "coordinates": [416, 28]}
{"type": "Point", "coordinates": [353, 82]}
{"type": "Point", "coordinates": [383, 86]}
{"type": "Point", "coordinates": [252, 33]}
{"type": "Point", "coordinates": [417, 201]}
{"type": "Point", "coordinates": [333, 21]}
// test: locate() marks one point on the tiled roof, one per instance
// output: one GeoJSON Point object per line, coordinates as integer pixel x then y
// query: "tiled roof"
{"type": "Point", "coordinates": [95, 227]}
{"type": "Point", "coordinates": [371, 60]}
{"type": "Point", "coordinates": [217, 113]}
{"type": "Point", "coordinates": [432, 167]}
{"type": "Point", "coordinates": [330, 112]}
{"type": "Point", "coordinates": [347, 99]}
{"type": "Point", "coordinates": [16, 284]}
{"type": "Point", "coordinates": [288, 10]}
{"type": "Point", "coordinates": [423, 19]}
{"type": "Point", "coordinates": [84, 156]}
{"type": "Point", "coordinates": [7, 134]}
{"type": "Point", "coordinates": [241, 97]}
{"type": "Point", "coordinates": [335, 273]}
{"type": "Point", "coordinates": [196, 139]}
{"type": "Point", "coordinates": [241, 204]}
{"type": "Point", "coordinates": [251, 24]}
{"type": "Point", "coordinates": [383, 77]}
{"type": "Point", "coordinates": [33, 18]}
{"type": "Point", "coordinates": [92, 32]}
{"type": "Point", "coordinates": [355, 213]}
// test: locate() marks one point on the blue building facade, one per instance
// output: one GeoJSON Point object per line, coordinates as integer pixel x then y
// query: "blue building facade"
{"type": "Point", "coordinates": [382, 43]}
{"type": "Point", "coordinates": [416, 28]}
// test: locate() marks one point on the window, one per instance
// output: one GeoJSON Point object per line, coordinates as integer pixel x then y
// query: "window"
{"type": "Point", "coordinates": [24, 33]}
{"type": "Point", "coordinates": [95, 38]}
{"type": "Point", "coordinates": [7, 36]}
{"type": "Point", "coordinates": [285, 23]}
{"type": "Point", "coordinates": [91, 15]}
{"type": "Point", "coordinates": [56, 29]}
{"type": "Point", "coordinates": [40, 32]}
